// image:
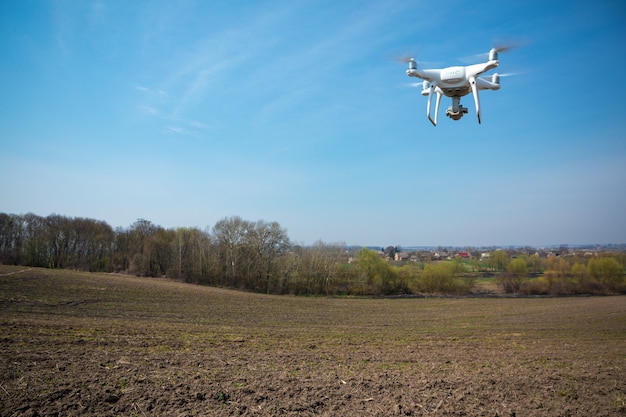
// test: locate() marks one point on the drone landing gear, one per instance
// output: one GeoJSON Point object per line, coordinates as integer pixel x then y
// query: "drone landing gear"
{"type": "Point", "coordinates": [456, 110]}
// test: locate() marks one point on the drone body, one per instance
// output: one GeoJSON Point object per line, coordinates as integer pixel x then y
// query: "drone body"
{"type": "Point", "coordinates": [456, 82]}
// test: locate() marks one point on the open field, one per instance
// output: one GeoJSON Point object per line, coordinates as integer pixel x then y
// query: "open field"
{"type": "Point", "coordinates": [97, 344]}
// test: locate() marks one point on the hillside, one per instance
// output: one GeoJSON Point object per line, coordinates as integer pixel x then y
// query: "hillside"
{"type": "Point", "coordinates": [76, 343]}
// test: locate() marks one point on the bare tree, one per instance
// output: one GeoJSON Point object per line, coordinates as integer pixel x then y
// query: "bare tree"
{"type": "Point", "coordinates": [318, 265]}
{"type": "Point", "coordinates": [191, 252]}
{"type": "Point", "coordinates": [11, 238]}
{"type": "Point", "coordinates": [230, 236]}
{"type": "Point", "coordinates": [268, 241]}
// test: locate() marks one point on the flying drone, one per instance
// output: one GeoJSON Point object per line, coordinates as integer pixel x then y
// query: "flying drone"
{"type": "Point", "coordinates": [456, 82]}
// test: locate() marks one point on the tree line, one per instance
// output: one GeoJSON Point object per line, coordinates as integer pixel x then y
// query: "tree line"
{"type": "Point", "coordinates": [235, 253]}
{"type": "Point", "coordinates": [259, 256]}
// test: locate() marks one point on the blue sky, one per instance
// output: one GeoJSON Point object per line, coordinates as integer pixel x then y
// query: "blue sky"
{"type": "Point", "coordinates": [187, 112]}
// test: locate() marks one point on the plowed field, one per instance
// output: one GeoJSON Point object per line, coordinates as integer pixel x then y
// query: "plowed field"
{"type": "Point", "coordinates": [106, 345]}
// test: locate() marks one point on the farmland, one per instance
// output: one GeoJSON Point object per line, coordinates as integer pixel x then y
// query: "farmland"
{"type": "Point", "coordinates": [76, 343]}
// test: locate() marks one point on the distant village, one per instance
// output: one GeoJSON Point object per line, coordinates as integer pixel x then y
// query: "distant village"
{"type": "Point", "coordinates": [422, 254]}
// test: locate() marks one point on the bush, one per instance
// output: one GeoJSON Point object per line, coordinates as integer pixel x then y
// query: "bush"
{"type": "Point", "coordinates": [607, 271]}
{"type": "Point", "coordinates": [590, 286]}
{"type": "Point", "coordinates": [563, 288]}
{"type": "Point", "coordinates": [378, 275]}
{"type": "Point", "coordinates": [516, 272]}
{"type": "Point", "coordinates": [510, 283]}
{"type": "Point", "coordinates": [534, 287]}
{"type": "Point", "coordinates": [442, 278]}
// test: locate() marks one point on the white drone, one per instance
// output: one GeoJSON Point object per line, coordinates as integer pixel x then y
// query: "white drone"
{"type": "Point", "coordinates": [456, 82]}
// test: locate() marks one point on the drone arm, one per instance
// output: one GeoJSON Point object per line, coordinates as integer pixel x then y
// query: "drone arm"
{"type": "Point", "coordinates": [483, 84]}
{"type": "Point", "coordinates": [477, 69]}
{"type": "Point", "coordinates": [476, 98]}
{"type": "Point", "coordinates": [430, 75]}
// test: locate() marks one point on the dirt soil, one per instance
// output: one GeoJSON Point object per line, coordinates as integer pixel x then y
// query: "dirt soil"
{"type": "Point", "coordinates": [106, 345]}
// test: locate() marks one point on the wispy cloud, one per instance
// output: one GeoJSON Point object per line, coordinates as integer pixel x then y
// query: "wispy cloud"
{"type": "Point", "coordinates": [218, 68]}
{"type": "Point", "coordinates": [152, 93]}
{"type": "Point", "coordinates": [179, 131]}
{"type": "Point", "coordinates": [265, 65]}
{"type": "Point", "coordinates": [198, 125]}
{"type": "Point", "coordinates": [156, 103]}
{"type": "Point", "coordinates": [148, 109]}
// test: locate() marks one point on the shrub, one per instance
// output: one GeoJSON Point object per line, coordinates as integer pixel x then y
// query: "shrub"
{"type": "Point", "coordinates": [607, 271]}
{"type": "Point", "coordinates": [516, 273]}
{"type": "Point", "coordinates": [443, 278]}
{"type": "Point", "coordinates": [537, 286]}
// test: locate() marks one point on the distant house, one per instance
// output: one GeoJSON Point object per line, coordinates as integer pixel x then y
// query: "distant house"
{"type": "Point", "coordinates": [463, 255]}
{"type": "Point", "coordinates": [401, 256]}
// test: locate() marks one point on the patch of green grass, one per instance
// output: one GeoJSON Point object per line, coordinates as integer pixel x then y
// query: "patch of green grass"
{"type": "Point", "coordinates": [568, 394]}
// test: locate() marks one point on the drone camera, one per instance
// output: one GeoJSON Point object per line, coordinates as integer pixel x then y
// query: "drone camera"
{"type": "Point", "coordinates": [456, 115]}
